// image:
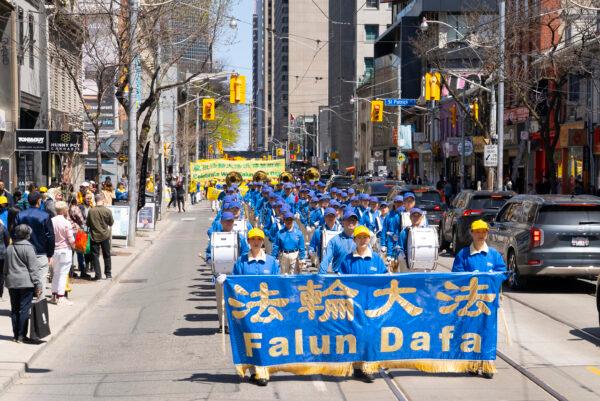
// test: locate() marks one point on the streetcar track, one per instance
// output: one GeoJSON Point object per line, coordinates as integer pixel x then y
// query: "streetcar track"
{"type": "Point", "coordinates": [393, 385]}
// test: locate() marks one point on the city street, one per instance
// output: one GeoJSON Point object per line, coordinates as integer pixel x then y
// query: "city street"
{"type": "Point", "coordinates": [154, 336]}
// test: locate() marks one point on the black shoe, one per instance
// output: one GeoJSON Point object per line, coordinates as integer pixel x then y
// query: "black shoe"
{"type": "Point", "coordinates": [108, 277]}
{"type": "Point", "coordinates": [365, 377]}
{"type": "Point", "coordinates": [94, 278]}
{"type": "Point", "coordinates": [226, 329]}
{"type": "Point", "coordinates": [33, 341]}
{"type": "Point", "coordinates": [84, 276]}
{"type": "Point", "coordinates": [258, 382]}
{"type": "Point", "coordinates": [488, 375]}
{"type": "Point", "coordinates": [18, 340]}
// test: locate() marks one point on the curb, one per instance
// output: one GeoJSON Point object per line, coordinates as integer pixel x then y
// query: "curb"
{"type": "Point", "coordinates": [86, 309]}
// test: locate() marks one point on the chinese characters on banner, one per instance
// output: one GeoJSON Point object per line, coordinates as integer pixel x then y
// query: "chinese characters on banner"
{"type": "Point", "coordinates": [441, 322]}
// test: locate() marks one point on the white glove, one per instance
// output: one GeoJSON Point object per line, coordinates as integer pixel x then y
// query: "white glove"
{"type": "Point", "coordinates": [384, 249]}
{"type": "Point", "coordinates": [221, 278]}
{"type": "Point", "coordinates": [389, 258]}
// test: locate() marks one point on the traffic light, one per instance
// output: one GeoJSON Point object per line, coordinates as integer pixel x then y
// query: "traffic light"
{"type": "Point", "coordinates": [237, 89]}
{"type": "Point", "coordinates": [376, 110]}
{"type": "Point", "coordinates": [475, 110]}
{"type": "Point", "coordinates": [208, 109]}
{"type": "Point", "coordinates": [453, 115]}
{"type": "Point", "coordinates": [433, 86]}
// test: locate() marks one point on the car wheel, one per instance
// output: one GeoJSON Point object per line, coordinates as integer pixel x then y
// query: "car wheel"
{"type": "Point", "coordinates": [442, 241]}
{"type": "Point", "coordinates": [515, 280]}
{"type": "Point", "coordinates": [455, 244]}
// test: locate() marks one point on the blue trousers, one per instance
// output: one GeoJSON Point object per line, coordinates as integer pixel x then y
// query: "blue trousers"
{"type": "Point", "coordinates": [20, 306]}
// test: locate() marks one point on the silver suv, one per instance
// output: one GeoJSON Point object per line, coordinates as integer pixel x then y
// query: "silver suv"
{"type": "Point", "coordinates": [548, 235]}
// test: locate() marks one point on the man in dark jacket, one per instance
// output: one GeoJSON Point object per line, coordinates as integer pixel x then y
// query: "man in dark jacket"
{"type": "Point", "coordinates": [100, 221]}
{"type": "Point", "coordinates": [42, 234]}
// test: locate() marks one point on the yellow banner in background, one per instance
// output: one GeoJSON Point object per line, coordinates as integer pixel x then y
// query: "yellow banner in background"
{"type": "Point", "coordinates": [203, 170]}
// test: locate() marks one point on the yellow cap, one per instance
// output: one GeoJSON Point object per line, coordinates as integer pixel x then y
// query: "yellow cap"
{"type": "Point", "coordinates": [362, 230]}
{"type": "Point", "coordinates": [3, 199]}
{"type": "Point", "coordinates": [43, 189]}
{"type": "Point", "coordinates": [256, 232]}
{"type": "Point", "coordinates": [479, 225]}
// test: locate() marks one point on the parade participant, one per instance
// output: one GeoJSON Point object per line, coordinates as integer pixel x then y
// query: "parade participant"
{"type": "Point", "coordinates": [255, 262]}
{"type": "Point", "coordinates": [317, 218]}
{"type": "Point", "coordinates": [363, 206]}
{"type": "Point", "coordinates": [331, 224]}
{"type": "Point", "coordinates": [313, 207]}
{"type": "Point", "coordinates": [354, 202]}
{"type": "Point", "coordinates": [392, 222]}
{"type": "Point", "coordinates": [416, 218]}
{"type": "Point", "coordinates": [382, 213]}
{"type": "Point", "coordinates": [226, 226]}
{"type": "Point", "coordinates": [369, 218]}
{"type": "Point", "coordinates": [303, 205]}
{"type": "Point", "coordinates": [340, 245]}
{"type": "Point", "coordinates": [321, 187]}
{"type": "Point", "coordinates": [409, 201]}
{"type": "Point", "coordinates": [289, 196]}
{"type": "Point", "coordinates": [289, 242]}
{"type": "Point", "coordinates": [478, 257]}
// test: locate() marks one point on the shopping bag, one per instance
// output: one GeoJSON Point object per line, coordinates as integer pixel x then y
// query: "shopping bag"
{"type": "Point", "coordinates": [39, 320]}
{"type": "Point", "coordinates": [81, 240]}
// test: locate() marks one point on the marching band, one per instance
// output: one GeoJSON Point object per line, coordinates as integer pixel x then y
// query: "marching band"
{"type": "Point", "coordinates": [292, 227]}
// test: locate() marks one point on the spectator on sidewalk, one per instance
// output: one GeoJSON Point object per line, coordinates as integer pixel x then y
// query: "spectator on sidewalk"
{"type": "Point", "coordinates": [4, 192]}
{"type": "Point", "coordinates": [109, 193]}
{"type": "Point", "coordinates": [78, 222]}
{"type": "Point", "coordinates": [180, 190]}
{"type": "Point", "coordinates": [100, 221]}
{"type": "Point", "coordinates": [63, 253]}
{"type": "Point", "coordinates": [193, 190]}
{"type": "Point", "coordinates": [23, 280]}
{"type": "Point", "coordinates": [121, 193]}
{"type": "Point", "coordinates": [42, 235]}
{"type": "Point", "coordinates": [4, 242]}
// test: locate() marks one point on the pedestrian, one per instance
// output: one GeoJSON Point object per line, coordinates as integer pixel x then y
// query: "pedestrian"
{"type": "Point", "coordinates": [22, 275]}
{"type": "Point", "coordinates": [42, 235]}
{"type": "Point", "coordinates": [84, 188]}
{"type": "Point", "coordinates": [78, 222]}
{"type": "Point", "coordinates": [109, 193]}
{"type": "Point", "coordinates": [100, 221]}
{"type": "Point", "coordinates": [4, 210]}
{"type": "Point", "coordinates": [4, 242]}
{"type": "Point", "coordinates": [180, 193]}
{"type": "Point", "coordinates": [121, 193]}
{"type": "Point", "coordinates": [193, 189]}
{"type": "Point", "coordinates": [63, 253]}
{"type": "Point", "coordinates": [47, 203]}
{"type": "Point", "coordinates": [4, 192]}
{"type": "Point", "coordinates": [173, 190]}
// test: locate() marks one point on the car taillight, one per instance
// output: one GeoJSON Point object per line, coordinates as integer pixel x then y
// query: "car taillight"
{"type": "Point", "coordinates": [436, 207]}
{"type": "Point", "coordinates": [472, 212]}
{"type": "Point", "coordinates": [536, 237]}
{"type": "Point", "coordinates": [534, 262]}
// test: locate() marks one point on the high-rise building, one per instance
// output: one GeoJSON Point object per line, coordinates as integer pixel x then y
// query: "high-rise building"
{"type": "Point", "coordinates": [189, 43]}
{"type": "Point", "coordinates": [352, 34]}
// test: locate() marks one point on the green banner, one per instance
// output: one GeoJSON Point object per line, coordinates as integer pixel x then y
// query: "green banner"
{"type": "Point", "coordinates": [217, 169]}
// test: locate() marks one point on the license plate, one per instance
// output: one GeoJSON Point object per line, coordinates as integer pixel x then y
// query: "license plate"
{"type": "Point", "coordinates": [580, 241]}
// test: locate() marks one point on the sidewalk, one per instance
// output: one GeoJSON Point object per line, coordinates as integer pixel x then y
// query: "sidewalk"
{"type": "Point", "coordinates": [15, 358]}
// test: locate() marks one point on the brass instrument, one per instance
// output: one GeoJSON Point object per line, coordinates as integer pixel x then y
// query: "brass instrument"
{"type": "Point", "coordinates": [286, 177]}
{"type": "Point", "coordinates": [260, 176]}
{"type": "Point", "coordinates": [312, 174]}
{"type": "Point", "coordinates": [233, 178]}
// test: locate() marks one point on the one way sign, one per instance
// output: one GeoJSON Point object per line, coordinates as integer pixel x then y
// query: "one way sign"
{"type": "Point", "coordinates": [490, 155]}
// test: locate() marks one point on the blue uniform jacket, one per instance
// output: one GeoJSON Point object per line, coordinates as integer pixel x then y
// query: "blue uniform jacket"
{"type": "Point", "coordinates": [354, 264]}
{"type": "Point", "coordinates": [316, 218]}
{"type": "Point", "coordinates": [482, 261]}
{"type": "Point", "coordinates": [339, 246]}
{"type": "Point", "coordinates": [289, 240]}
{"type": "Point", "coordinates": [369, 220]}
{"type": "Point", "coordinates": [244, 266]}
{"type": "Point", "coordinates": [291, 201]}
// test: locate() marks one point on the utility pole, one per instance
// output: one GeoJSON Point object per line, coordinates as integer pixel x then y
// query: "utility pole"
{"type": "Point", "coordinates": [500, 116]}
{"type": "Point", "coordinates": [132, 132]}
{"type": "Point", "coordinates": [197, 128]}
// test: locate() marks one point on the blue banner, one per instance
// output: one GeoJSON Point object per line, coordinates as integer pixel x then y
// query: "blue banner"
{"type": "Point", "coordinates": [309, 324]}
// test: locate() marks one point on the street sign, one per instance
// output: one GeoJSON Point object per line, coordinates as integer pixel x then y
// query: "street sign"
{"type": "Point", "coordinates": [401, 157]}
{"type": "Point", "coordinates": [391, 102]}
{"type": "Point", "coordinates": [468, 147]}
{"type": "Point", "coordinates": [490, 155]}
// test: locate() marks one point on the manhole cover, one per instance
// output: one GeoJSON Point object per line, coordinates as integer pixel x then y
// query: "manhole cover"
{"type": "Point", "coordinates": [133, 281]}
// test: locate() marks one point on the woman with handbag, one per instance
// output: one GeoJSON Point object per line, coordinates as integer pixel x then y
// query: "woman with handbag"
{"type": "Point", "coordinates": [78, 222]}
{"type": "Point", "coordinates": [22, 274]}
{"type": "Point", "coordinates": [63, 254]}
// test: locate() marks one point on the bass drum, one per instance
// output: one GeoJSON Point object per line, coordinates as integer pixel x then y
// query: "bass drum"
{"type": "Point", "coordinates": [422, 249]}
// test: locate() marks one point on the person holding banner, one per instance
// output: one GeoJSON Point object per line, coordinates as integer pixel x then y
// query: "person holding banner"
{"type": "Point", "coordinates": [478, 257]}
{"type": "Point", "coordinates": [290, 243]}
{"type": "Point", "coordinates": [340, 245]}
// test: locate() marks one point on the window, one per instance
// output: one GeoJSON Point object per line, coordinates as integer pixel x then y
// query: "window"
{"type": "Point", "coordinates": [459, 24]}
{"type": "Point", "coordinates": [371, 32]}
{"type": "Point", "coordinates": [30, 22]}
{"type": "Point", "coordinates": [21, 18]}
{"type": "Point", "coordinates": [369, 67]}
{"type": "Point", "coordinates": [574, 88]}
{"type": "Point", "coordinates": [372, 3]}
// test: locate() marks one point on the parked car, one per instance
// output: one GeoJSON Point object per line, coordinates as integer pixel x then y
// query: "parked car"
{"type": "Point", "coordinates": [426, 198]}
{"type": "Point", "coordinates": [339, 181]}
{"type": "Point", "coordinates": [548, 235]}
{"type": "Point", "coordinates": [378, 188]}
{"type": "Point", "coordinates": [467, 207]}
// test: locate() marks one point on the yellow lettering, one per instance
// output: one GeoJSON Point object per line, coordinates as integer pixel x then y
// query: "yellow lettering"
{"type": "Point", "coordinates": [341, 340]}
{"type": "Point", "coordinates": [248, 337]}
{"type": "Point", "coordinates": [298, 342]}
{"type": "Point", "coordinates": [396, 344]}
{"type": "Point", "coordinates": [279, 346]}
{"type": "Point", "coordinates": [472, 343]}
{"type": "Point", "coordinates": [421, 341]}
{"type": "Point", "coordinates": [314, 346]}
{"type": "Point", "coordinates": [446, 335]}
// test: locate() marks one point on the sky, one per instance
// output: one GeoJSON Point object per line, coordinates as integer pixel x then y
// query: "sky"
{"type": "Point", "coordinates": [234, 51]}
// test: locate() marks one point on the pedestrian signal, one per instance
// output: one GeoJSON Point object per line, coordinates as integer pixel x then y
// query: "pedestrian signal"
{"type": "Point", "coordinates": [475, 110]}
{"type": "Point", "coordinates": [377, 110]}
{"type": "Point", "coordinates": [208, 109]}
{"type": "Point", "coordinates": [433, 86]}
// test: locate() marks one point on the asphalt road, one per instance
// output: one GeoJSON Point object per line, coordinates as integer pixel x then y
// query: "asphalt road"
{"type": "Point", "coordinates": [154, 336]}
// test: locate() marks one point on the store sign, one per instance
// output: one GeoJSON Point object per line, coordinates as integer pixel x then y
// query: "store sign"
{"type": "Point", "coordinates": [65, 141]}
{"type": "Point", "coordinates": [31, 139]}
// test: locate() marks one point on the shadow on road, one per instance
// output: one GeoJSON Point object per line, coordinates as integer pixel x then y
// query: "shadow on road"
{"type": "Point", "coordinates": [201, 317]}
{"type": "Point", "coordinates": [589, 334]}
{"type": "Point", "coordinates": [196, 331]}
{"type": "Point", "coordinates": [556, 285]}
{"type": "Point", "coordinates": [213, 378]}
